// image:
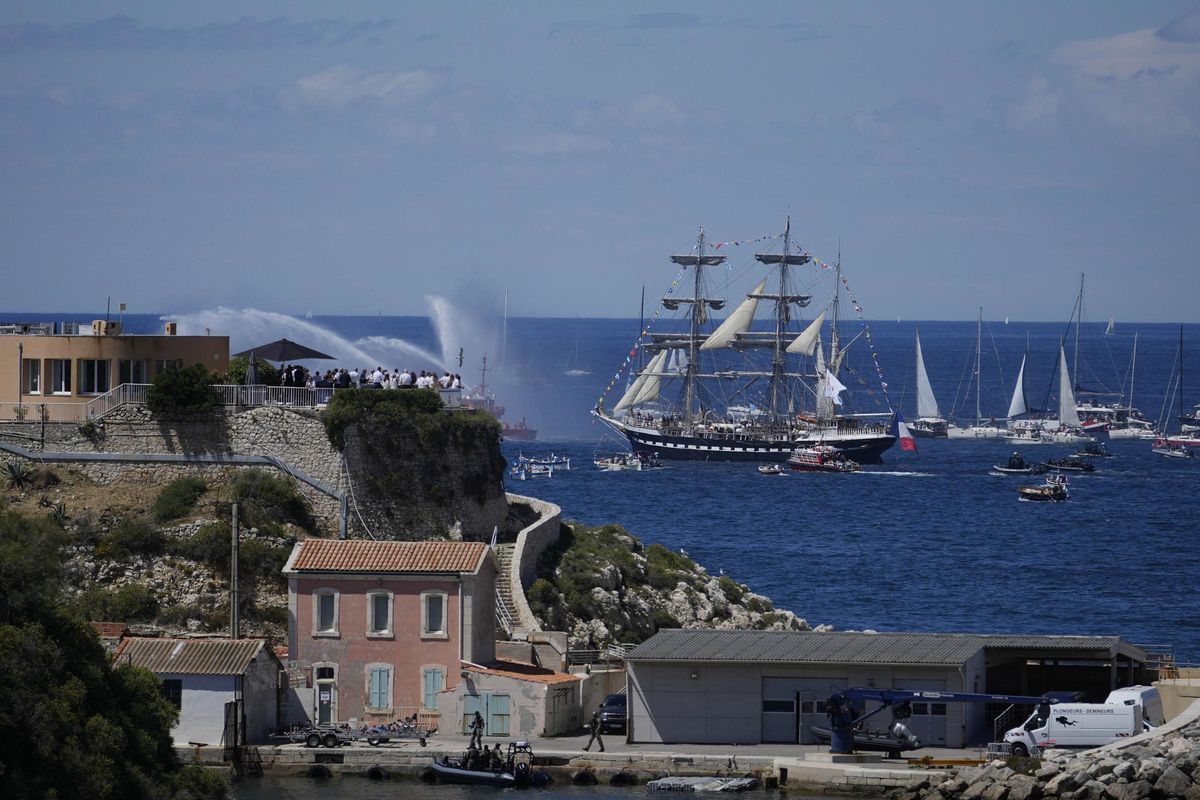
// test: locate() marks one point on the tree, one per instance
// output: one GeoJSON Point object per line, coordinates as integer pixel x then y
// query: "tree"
{"type": "Point", "coordinates": [183, 390]}
{"type": "Point", "coordinates": [72, 724]}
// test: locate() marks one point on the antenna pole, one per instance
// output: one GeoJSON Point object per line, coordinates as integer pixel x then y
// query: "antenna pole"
{"type": "Point", "coordinates": [234, 602]}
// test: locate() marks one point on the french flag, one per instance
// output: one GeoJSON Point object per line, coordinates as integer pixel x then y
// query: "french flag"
{"type": "Point", "coordinates": [904, 435]}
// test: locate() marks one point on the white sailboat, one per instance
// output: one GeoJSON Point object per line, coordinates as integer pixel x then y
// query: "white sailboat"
{"type": "Point", "coordinates": [929, 421]}
{"type": "Point", "coordinates": [1134, 427]}
{"type": "Point", "coordinates": [1068, 430]}
{"type": "Point", "coordinates": [574, 369]}
{"type": "Point", "coordinates": [979, 430]}
{"type": "Point", "coordinates": [1022, 431]}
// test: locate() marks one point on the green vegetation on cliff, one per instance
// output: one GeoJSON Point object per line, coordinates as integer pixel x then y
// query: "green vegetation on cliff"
{"type": "Point", "coordinates": [72, 725]}
{"type": "Point", "coordinates": [602, 585]}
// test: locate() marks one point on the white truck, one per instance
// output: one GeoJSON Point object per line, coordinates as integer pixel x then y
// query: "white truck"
{"type": "Point", "coordinates": [1085, 725]}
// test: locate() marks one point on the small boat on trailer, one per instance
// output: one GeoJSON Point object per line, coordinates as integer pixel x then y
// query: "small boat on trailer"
{"type": "Point", "coordinates": [483, 768]}
{"type": "Point", "coordinates": [821, 458]}
{"type": "Point", "coordinates": [1054, 490]}
{"type": "Point", "coordinates": [1017, 465]}
{"type": "Point", "coordinates": [771, 469]}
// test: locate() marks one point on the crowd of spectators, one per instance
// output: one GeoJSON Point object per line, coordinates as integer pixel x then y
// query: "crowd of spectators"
{"type": "Point", "coordinates": [296, 376]}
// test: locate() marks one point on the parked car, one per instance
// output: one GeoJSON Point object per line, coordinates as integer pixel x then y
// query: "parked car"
{"type": "Point", "coordinates": [612, 713]}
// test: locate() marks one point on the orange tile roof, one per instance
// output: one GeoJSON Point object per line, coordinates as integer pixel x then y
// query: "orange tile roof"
{"type": "Point", "coordinates": [363, 555]}
{"type": "Point", "coordinates": [525, 672]}
{"type": "Point", "coordinates": [109, 630]}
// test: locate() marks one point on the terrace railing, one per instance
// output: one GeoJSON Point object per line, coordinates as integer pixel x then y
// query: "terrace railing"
{"type": "Point", "coordinates": [36, 408]}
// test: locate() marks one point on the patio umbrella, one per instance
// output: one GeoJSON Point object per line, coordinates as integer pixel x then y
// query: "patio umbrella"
{"type": "Point", "coordinates": [283, 350]}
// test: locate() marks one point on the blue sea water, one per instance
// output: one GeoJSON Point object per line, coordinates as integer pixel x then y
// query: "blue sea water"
{"type": "Point", "coordinates": [926, 542]}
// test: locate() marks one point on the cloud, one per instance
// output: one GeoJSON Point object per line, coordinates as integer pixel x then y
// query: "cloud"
{"type": "Point", "coordinates": [1184, 29]}
{"type": "Point", "coordinates": [247, 33]}
{"type": "Point", "coordinates": [342, 85]}
{"type": "Point", "coordinates": [1037, 109]}
{"type": "Point", "coordinates": [559, 142]}
{"type": "Point", "coordinates": [1145, 83]}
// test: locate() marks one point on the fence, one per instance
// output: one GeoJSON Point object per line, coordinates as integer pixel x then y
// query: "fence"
{"type": "Point", "coordinates": [34, 409]}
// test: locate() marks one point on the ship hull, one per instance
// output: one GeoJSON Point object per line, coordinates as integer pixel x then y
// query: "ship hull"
{"type": "Point", "coordinates": [863, 448]}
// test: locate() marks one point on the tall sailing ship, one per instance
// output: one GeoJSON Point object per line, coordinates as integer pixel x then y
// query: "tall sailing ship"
{"type": "Point", "coordinates": [737, 391]}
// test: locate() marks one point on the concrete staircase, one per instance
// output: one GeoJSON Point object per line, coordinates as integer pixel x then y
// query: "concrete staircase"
{"type": "Point", "coordinates": [505, 611]}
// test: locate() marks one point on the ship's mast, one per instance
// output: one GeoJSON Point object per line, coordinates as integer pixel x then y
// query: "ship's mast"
{"type": "Point", "coordinates": [781, 315]}
{"type": "Point", "coordinates": [978, 374]}
{"type": "Point", "coordinates": [690, 398]}
{"type": "Point", "coordinates": [1078, 323]}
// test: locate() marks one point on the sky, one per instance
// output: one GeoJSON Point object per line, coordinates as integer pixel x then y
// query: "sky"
{"type": "Point", "coordinates": [363, 157]}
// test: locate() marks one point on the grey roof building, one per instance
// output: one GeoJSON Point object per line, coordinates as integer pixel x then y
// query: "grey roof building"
{"type": "Point", "coordinates": [747, 687]}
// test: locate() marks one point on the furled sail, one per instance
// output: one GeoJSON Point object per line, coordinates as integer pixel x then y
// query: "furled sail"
{"type": "Point", "coordinates": [737, 322]}
{"type": "Point", "coordinates": [807, 341]}
{"type": "Point", "coordinates": [1067, 415]}
{"type": "Point", "coordinates": [1017, 406]}
{"type": "Point", "coordinates": [927, 406]}
{"type": "Point", "coordinates": [636, 387]}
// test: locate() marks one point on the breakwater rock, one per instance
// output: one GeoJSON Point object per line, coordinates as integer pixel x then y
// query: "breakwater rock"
{"type": "Point", "coordinates": [1159, 767]}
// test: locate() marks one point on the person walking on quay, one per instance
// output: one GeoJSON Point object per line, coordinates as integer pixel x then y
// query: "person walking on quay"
{"type": "Point", "coordinates": [476, 731]}
{"type": "Point", "coordinates": [594, 725]}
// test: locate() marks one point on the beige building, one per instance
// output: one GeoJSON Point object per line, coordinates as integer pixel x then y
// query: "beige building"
{"type": "Point", "coordinates": [45, 363]}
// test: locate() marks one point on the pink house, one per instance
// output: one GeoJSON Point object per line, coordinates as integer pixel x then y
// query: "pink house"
{"type": "Point", "coordinates": [385, 627]}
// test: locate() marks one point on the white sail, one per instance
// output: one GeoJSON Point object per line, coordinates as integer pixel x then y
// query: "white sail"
{"type": "Point", "coordinates": [1112, 325]}
{"type": "Point", "coordinates": [1016, 406]}
{"type": "Point", "coordinates": [927, 406]}
{"type": "Point", "coordinates": [1067, 415]}
{"type": "Point", "coordinates": [806, 342]}
{"type": "Point", "coordinates": [737, 322]}
{"type": "Point", "coordinates": [653, 382]}
{"type": "Point", "coordinates": [635, 388]}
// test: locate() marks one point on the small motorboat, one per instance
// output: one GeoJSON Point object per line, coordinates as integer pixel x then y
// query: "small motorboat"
{"type": "Point", "coordinates": [1017, 465]}
{"type": "Point", "coordinates": [527, 470]}
{"type": "Point", "coordinates": [1054, 490]}
{"type": "Point", "coordinates": [821, 458]}
{"type": "Point", "coordinates": [868, 739]}
{"type": "Point", "coordinates": [1165, 447]}
{"type": "Point", "coordinates": [489, 768]}
{"type": "Point", "coordinates": [1070, 464]}
{"type": "Point", "coordinates": [1094, 450]}
{"type": "Point", "coordinates": [771, 469]}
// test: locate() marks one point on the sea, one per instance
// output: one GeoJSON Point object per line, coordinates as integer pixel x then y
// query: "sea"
{"type": "Point", "coordinates": [931, 541]}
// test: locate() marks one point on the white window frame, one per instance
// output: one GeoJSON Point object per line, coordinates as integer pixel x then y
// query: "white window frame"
{"type": "Point", "coordinates": [31, 367]}
{"type": "Point", "coordinates": [439, 668]}
{"type": "Point", "coordinates": [426, 633]}
{"type": "Point", "coordinates": [61, 368]}
{"type": "Point", "coordinates": [387, 631]}
{"type": "Point", "coordinates": [391, 689]}
{"type": "Point", "coordinates": [333, 632]}
{"type": "Point", "coordinates": [86, 388]}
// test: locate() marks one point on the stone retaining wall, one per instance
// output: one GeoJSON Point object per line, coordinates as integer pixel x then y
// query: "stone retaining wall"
{"type": "Point", "coordinates": [532, 541]}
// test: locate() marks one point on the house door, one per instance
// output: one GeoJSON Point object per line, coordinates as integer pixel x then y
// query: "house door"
{"type": "Point", "coordinates": [326, 702]}
{"type": "Point", "coordinates": [494, 708]}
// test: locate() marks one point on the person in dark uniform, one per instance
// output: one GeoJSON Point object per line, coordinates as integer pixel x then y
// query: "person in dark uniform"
{"type": "Point", "coordinates": [476, 731]}
{"type": "Point", "coordinates": [594, 725]}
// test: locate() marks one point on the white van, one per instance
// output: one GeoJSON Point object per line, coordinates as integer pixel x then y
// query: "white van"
{"type": "Point", "coordinates": [1144, 696]}
{"type": "Point", "coordinates": [1080, 725]}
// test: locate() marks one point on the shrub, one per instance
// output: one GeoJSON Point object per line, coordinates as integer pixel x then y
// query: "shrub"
{"type": "Point", "coordinates": [759, 605]}
{"type": "Point", "coordinates": [276, 615]}
{"type": "Point", "coordinates": [130, 537]}
{"type": "Point", "coordinates": [266, 501]}
{"type": "Point", "coordinates": [18, 473]}
{"type": "Point", "coordinates": [129, 603]}
{"type": "Point", "coordinates": [665, 568]}
{"type": "Point", "coordinates": [183, 390]}
{"type": "Point", "coordinates": [44, 478]}
{"type": "Point", "coordinates": [180, 614]}
{"type": "Point", "coordinates": [210, 545]}
{"type": "Point", "coordinates": [178, 498]}
{"type": "Point", "coordinates": [732, 589]}
{"type": "Point", "coordinates": [350, 406]}
{"type": "Point", "coordinates": [268, 375]}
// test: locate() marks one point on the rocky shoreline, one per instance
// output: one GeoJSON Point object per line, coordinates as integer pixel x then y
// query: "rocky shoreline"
{"type": "Point", "coordinates": [1159, 765]}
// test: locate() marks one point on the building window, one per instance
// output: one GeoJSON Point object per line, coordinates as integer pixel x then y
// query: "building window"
{"type": "Point", "coordinates": [132, 370]}
{"type": "Point", "coordinates": [433, 614]}
{"type": "Point", "coordinates": [93, 376]}
{"type": "Point", "coordinates": [379, 613]}
{"type": "Point", "coordinates": [325, 673]}
{"type": "Point", "coordinates": [779, 706]}
{"type": "Point", "coordinates": [325, 612]}
{"type": "Point", "coordinates": [379, 686]}
{"type": "Point", "coordinates": [164, 364]}
{"type": "Point", "coordinates": [172, 691]}
{"type": "Point", "coordinates": [60, 375]}
{"type": "Point", "coordinates": [433, 680]}
{"type": "Point", "coordinates": [31, 376]}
